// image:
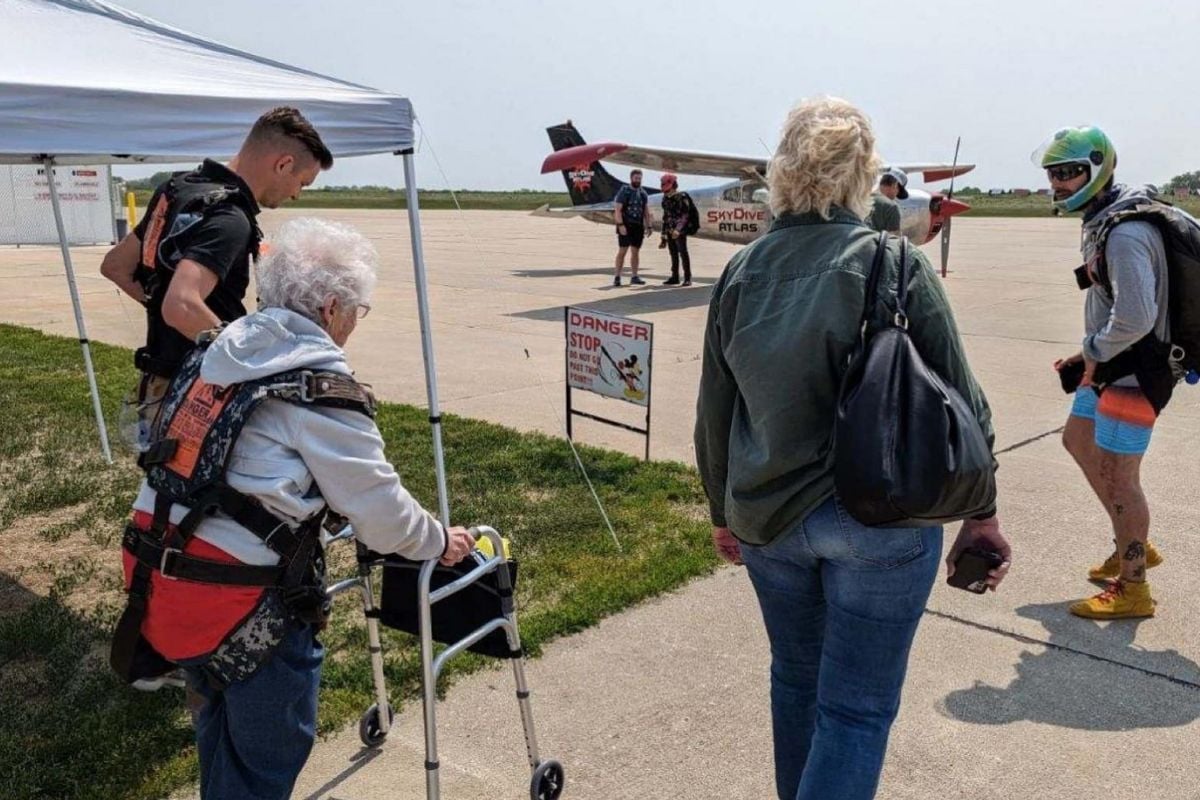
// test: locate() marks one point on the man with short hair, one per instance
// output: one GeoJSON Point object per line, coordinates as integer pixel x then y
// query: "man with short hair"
{"type": "Point", "coordinates": [893, 184]}
{"type": "Point", "coordinates": [885, 212]}
{"type": "Point", "coordinates": [188, 260]}
{"type": "Point", "coordinates": [1112, 417]}
{"type": "Point", "coordinates": [632, 220]}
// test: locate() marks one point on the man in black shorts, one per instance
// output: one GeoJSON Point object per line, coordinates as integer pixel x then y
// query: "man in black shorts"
{"type": "Point", "coordinates": [630, 216]}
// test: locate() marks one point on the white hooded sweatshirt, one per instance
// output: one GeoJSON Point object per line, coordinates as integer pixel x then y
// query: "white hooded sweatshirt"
{"type": "Point", "coordinates": [294, 459]}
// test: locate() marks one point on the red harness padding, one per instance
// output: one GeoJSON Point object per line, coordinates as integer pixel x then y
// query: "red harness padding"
{"type": "Point", "coordinates": [186, 619]}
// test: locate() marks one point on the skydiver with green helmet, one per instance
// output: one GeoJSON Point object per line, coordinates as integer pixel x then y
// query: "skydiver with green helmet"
{"type": "Point", "coordinates": [1109, 427]}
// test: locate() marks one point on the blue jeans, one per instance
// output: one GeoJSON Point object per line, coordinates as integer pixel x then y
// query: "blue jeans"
{"type": "Point", "coordinates": [841, 603]}
{"type": "Point", "coordinates": [254, 737]}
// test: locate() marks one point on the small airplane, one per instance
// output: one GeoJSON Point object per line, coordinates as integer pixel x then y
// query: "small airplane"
{"type": "Point", "coordinates": [735, 212]}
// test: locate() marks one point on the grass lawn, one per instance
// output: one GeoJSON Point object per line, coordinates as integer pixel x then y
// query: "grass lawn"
{"type": "Point", "coordinates": [1008, 205]}
{"type": "Point", "coordinates": [70, 730]}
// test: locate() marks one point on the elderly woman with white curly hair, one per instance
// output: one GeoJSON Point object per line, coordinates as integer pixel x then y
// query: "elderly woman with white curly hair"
{"type": "Point", "coordinates": [214, 573]}
{"type": "Point", "coordinates": [840, 601]}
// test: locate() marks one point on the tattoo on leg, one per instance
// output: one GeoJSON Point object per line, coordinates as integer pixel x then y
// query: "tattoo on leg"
{"type": "Point", "coordinates": [1135, 552]}
{"type": "Point", "coordinates": [1139, 573]}
{"type": "Point", "coordinates": [1120, 508]}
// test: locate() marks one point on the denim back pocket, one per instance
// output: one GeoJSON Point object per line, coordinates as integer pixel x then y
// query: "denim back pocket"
{"type": "Point", "coordinates": [882, 548]}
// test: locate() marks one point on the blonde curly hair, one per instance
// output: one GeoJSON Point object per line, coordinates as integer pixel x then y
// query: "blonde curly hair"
{"type": "Point", "coordinates": [826, 157]}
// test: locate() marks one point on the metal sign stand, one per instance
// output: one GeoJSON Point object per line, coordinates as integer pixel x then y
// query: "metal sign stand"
{"type": "Point", "coordinates": [574, 412]}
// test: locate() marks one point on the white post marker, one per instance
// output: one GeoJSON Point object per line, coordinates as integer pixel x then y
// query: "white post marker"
{"type": "Point", "coordinates": [83, 338]}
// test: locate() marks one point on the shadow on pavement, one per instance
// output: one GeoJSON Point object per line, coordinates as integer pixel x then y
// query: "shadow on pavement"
{"type": "Point", "coordinates": [630, 300]}
{"type": "Point", "coordinates": [1075, 690]}
{"type": "Point", "coordinates": [565, 272]}
{"type": "Point", "coordinates": [361, 759]}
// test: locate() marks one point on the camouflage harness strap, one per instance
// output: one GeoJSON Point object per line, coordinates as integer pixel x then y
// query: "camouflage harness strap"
{"type": "Point", "coordinates": [331, 389]}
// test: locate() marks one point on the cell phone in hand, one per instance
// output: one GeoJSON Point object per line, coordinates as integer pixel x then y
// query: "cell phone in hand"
{"type": "Point", "coordinates": [972, 568]}
{"type": "Point", "coordinates": [1071, 376]}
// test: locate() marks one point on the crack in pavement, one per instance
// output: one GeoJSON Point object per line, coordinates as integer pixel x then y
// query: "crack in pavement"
{"type": "Point", "coordinates": [1030, 440]}
{"type": "Point", "coordinates": [1020, 637]}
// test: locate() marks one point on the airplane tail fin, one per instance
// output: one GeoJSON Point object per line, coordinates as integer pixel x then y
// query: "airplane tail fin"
{"type": "Point", "coordinates": [587, 183]}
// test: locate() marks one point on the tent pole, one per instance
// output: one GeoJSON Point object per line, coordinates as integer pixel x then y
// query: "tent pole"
{"type": "Point", "coordinates": [435, 414]}
{"type": "Point", "coordinates": [83, 340]}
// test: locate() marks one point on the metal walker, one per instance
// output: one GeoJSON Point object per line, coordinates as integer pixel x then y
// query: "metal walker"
{"type": "Point", "coordinates": [547, 776]}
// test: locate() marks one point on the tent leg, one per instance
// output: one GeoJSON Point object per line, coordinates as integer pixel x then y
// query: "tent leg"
{"type": "Point", "coordinates": [435, 414]}
{"type": "Point", "coordinates": [83, 339]}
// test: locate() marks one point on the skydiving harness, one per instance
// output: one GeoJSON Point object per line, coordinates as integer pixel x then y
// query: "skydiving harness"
{"type": "Point", "coordinates": [1158, 365]}
{"type": "Point", "coordinates": [181, 203]}
{"type": "Point", "coordinates": [186, 465]}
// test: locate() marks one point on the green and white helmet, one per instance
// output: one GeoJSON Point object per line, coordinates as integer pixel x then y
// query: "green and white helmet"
{"type": "Point", "coordinates": [1087, 145]}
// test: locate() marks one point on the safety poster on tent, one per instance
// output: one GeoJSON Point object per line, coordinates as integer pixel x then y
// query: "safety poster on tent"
{"type": "Point", "coordinates": [27, 216]}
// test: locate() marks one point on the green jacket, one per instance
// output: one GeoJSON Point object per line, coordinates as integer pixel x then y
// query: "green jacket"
{"type": "Point", "coordinates": [885, 214]}
{"type": "Point", "coordinates": [782, 325]}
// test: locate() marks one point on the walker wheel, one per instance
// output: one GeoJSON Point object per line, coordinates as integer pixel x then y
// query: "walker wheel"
{"type": "Point", "coordinates": [368, 726]}
{"type": "Point", "coordinates": [548, 780]}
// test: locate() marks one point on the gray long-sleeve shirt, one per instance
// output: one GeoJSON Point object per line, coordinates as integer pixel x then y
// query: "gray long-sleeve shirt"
{"type": "Point", "coordinates": [1137, 270]}
{"type": "Point", "coordinates": [296, 459]}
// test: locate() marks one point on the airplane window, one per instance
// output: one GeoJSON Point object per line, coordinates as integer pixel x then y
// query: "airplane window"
{"type": "Point", "coordinates": [733, 194]}
{"type": "Point", "coordinates": [760, 195]}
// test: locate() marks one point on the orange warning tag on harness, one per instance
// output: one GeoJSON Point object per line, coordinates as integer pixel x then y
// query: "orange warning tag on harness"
{"type": "Point", "coordinates": [190, 426]}
{"type": "Point", "coordinates": [154, 231]}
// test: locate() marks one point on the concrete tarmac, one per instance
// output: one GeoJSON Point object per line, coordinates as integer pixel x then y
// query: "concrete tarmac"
{"type": "Point", "coordinates": [1008, 695]}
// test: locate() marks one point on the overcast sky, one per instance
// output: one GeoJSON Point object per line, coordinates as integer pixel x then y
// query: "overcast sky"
{"type": "Point", "coordinates": [486, 78]}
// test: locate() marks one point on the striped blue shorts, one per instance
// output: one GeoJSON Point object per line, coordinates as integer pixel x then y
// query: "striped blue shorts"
{"type": "Point", "coordinates": [1123, 417]}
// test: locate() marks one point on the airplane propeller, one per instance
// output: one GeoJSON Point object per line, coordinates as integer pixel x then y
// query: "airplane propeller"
{"type": "Point", "coordinates": [949, 219]}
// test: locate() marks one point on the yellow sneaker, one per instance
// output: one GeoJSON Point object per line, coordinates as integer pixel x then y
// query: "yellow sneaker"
{"type": "Point", "coordinates": [1119, 600]}
{"type": "Point", "coordinates": [1111, 568]}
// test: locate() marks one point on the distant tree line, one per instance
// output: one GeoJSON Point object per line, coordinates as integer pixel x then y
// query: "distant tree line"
{"type": "Point", "coordinates": [146, 184]}
{"type": "Point", "coordinates": [1188, 180]}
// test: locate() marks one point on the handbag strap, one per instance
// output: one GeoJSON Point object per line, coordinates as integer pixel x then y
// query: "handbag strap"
{"type": "Point", "coordinates": [901, 317]}
{"type": "Point", "coordinates": [872, 289]}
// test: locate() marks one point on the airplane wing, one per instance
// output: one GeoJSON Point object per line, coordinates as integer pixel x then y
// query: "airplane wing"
{"type": "Point", "coordinates": [660, 159]}
{"type": "Point", "coordinates": [573, 211]}
{"type": "Point", "coordinates": [695, 162]}
{"type": "Point", "coordinates": [936, 172]}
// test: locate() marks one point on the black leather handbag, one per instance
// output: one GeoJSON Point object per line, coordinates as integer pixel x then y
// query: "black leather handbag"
{"type": "Point", "coordinates": [908, 450]}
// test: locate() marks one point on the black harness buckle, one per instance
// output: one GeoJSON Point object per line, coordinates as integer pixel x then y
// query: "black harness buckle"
{"type": "Point", "coordinates": [159, 452]}
{"type": "Point", "coordinates": [308, 386]}
{"type": "Point", "coordinates": [164, 564]}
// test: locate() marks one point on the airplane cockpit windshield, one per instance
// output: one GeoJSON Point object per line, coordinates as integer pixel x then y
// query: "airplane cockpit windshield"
{"type": "Point", "coordinates": [745, 193]}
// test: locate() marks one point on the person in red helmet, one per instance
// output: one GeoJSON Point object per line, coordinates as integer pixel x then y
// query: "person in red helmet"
{"type": "Point", "coordinates": [678, 221]}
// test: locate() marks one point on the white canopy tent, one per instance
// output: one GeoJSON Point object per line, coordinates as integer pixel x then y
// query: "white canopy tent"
{"type": "Point", "coordinates": [88, 82]}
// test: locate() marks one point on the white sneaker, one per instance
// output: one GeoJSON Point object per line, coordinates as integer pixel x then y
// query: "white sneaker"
{"type": "Point", "coordinates": [174, 678]}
